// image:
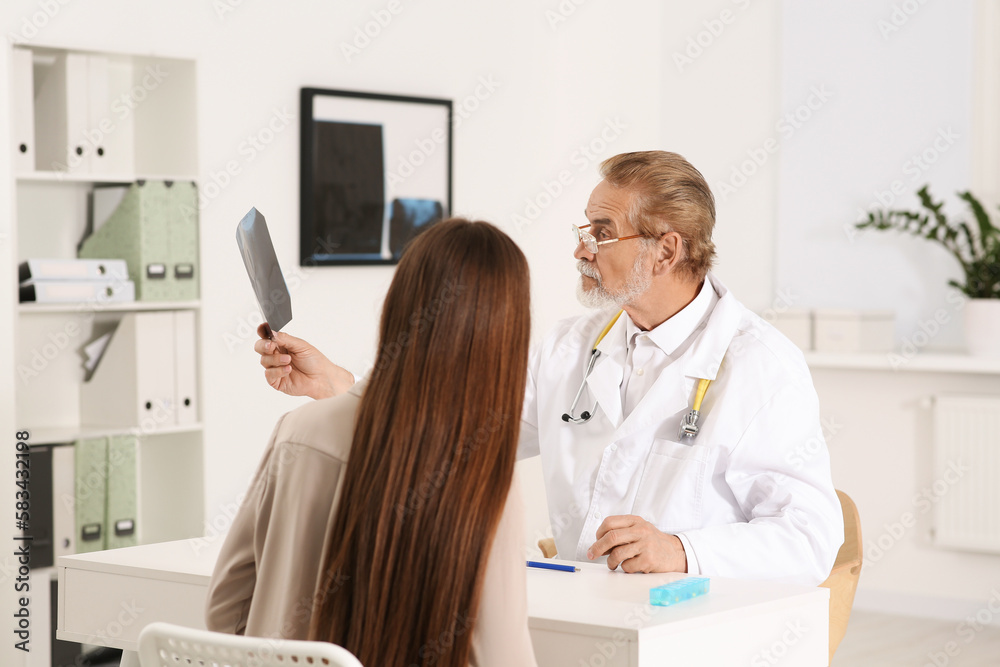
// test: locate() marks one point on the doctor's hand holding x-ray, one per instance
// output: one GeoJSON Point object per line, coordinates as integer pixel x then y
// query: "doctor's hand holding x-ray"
{"type": "Point", "coordinates": [677, 430]}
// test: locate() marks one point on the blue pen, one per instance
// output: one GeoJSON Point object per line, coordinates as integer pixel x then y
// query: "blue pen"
{"type": "Point", "coordinates": [552, 566]}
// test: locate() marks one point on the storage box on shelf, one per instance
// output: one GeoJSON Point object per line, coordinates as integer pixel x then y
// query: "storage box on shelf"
{"type": "Point", "coordinates": [153, 225]}
{"type": "Point", "coordinates": [844, 330]}
{"type": "Point", "coordinates": [797, 325]}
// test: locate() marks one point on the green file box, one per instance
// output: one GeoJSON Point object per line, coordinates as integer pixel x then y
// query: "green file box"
{"type": "Point", "coordinates": [182, 234]}
{"type": "Point", "coordinates": [90, 494]}
{"type": "Point", "coordinates": [122, 502]}
{"type": "Point", "coordinates": [155, 230]}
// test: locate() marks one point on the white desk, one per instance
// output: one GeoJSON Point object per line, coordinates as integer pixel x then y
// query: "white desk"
{"type": "Point", "coordinates": [591, 618]}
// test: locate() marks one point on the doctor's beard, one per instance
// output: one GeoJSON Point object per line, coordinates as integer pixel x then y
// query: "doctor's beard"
{"type": "Point", "coordinates": [599, 296]}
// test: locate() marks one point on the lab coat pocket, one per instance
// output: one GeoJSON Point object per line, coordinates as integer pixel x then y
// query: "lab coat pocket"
{"type": "Point", "coordinates": [671, 491]}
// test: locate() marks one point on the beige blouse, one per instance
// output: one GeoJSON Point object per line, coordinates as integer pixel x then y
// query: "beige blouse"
{"type": "Point", "coordinates": [269, 566]}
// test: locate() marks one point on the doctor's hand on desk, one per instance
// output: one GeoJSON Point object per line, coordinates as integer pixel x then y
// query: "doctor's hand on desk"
{"type": "Point", "coordinates": [638, 546]}
{"type": "Point", "coordinates": [293, 366]}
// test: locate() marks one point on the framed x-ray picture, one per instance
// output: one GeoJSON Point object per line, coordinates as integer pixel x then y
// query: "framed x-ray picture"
{"type": "Point", "coordinates": [376, 171]}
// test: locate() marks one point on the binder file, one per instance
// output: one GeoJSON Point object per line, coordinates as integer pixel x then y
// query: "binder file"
{"type": "Point", "coordinates": [23, 98]}
{"type": "Point", "coordinates": [77, 291]}
{"type": "Point", "coordinates": [60, 114]}
{"type": "Point", "coordinates": [63, 503]}
{"type": "Point", "coordinates": [133, 384]}
{"type": "Point", "coordinates": [52, 524]}
{"type": "Point", "coordinates": [185, 376]}
{"type": "Point", "coordinates": [90, 493]}
{"type": "Point", "coordinates": [108, 79]}
{"type": "Point", "coordinates": [71, 269]}
{"type": "Point", "coordinates": [41, 530]}
{"type": "Point", "coordinates": [154, 228]}
{"type": "Point", "coordinates": [122, 500]}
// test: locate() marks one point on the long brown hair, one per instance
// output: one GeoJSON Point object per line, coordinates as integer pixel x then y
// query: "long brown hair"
{"type": "Point", "coordinates": [433, 452]}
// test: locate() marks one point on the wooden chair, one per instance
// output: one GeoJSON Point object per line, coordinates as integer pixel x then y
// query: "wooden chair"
{"type": "Point", "coordinates": [548, 547]}
{"type": "Point", "coordinates": [843, 579]}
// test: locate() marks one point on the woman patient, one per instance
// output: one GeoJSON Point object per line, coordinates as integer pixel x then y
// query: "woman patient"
{"type": "Point", "coordinates": [386, 520]}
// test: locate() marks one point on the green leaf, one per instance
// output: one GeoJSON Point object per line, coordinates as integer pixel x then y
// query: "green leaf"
{"type": "Point", "coordinates": [969, 239]}
{"type": "Point", "coordinates": [926, 202]}
{"type": "Point", "coordinates": [978, 254]}
{"type": "Point", "coordinates": [987, 232]}
{"type": "Point", "coordinates": [960, 287]}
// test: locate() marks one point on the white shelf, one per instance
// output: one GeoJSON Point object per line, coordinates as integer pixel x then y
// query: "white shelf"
{"type": "Point", "coordinates": [893, 362]}
{"type": "Point", "coordinates": [52, 436]}
{"type": "Point", "coordinates": [52, 102]}
{"type": "Point", "coordinates": [111, 307]}
{"type": "Point", "coordinates": [67, 177]}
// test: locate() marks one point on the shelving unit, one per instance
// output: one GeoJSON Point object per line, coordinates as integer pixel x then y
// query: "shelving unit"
{"type": "Point", "coordinates": [95, 118]}
{"type": "Point", "coordinates": [55, 436]}
{"type": "Point", "coordinates": [925, 362]}
{"type": "Point", "coordinates": [81, 119]}
{"type": "Point", "coordinates": [124, 179]}
{"type": "Point", "coordinates": [112, 307]}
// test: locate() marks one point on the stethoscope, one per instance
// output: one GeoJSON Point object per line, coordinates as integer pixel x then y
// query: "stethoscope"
{"type": "Point", "coordinates": [689, 425]}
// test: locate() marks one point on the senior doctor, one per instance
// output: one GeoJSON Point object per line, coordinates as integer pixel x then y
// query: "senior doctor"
{"type": "Point", "coordinates": [743, 491]}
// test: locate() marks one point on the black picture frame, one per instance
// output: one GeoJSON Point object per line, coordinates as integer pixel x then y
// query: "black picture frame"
{"type": "Point", "coordinates": [375, 170]}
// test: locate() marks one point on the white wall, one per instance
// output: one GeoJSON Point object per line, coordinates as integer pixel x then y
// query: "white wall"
{"type": "Point", "coordinates": [719, 95]}
{"type": "Point", "coordinates": [898, 116]}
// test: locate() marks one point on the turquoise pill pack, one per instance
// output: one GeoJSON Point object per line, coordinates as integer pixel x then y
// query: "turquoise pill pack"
{"type": "Point", "coordinates": [678, 591]}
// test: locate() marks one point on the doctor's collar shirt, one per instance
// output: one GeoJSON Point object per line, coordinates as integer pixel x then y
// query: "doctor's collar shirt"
{"type": "Point", "coordinates": [649, 352]}
{"type": "Point", "coordinates": [752, 497]}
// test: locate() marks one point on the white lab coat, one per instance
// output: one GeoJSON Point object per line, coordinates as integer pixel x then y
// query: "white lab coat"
{"type": "Point", "coordinates": [752, 497]}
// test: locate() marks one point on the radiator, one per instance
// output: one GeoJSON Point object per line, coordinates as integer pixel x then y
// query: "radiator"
{"type": "Point", "coordinates": [965, 491]}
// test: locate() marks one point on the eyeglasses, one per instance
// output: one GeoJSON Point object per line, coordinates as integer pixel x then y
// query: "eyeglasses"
{"type": "Point", "coordinates": [591, 243]}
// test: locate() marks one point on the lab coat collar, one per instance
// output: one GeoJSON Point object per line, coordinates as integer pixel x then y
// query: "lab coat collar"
{"type": "Point", "coordinates": [701, 360]}
{"type": "Point", "coordinates": [606, 379]}
{"type": "Point", "coordinates": [672, 333]}
{"type": "Point", "coordinates": [704, 357]}
{"type": "Point", "coordinates": [671, 393]}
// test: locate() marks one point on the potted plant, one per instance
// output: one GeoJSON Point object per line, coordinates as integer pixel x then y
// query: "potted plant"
{"type": "Point", "coordinates": [977, 249]}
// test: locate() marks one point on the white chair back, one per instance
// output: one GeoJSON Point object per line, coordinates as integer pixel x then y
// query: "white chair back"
{"type": "Point", "coordinates": [168, 645]}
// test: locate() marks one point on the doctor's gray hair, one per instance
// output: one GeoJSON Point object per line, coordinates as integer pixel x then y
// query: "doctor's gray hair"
{"type": "Point", "coordinates": [669, 195]}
